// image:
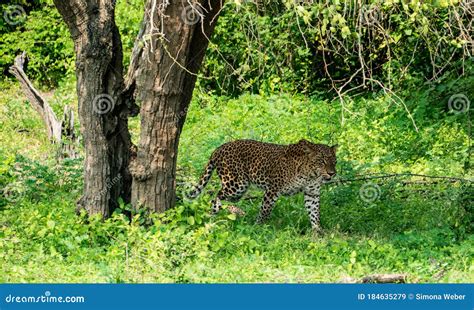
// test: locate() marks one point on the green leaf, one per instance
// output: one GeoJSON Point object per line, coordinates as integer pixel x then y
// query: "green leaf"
{"type": "Point", "coordinates": [190, 220]}
{"type": "Point", "coordinates": [50, 224]}
{"type": "Point", "coordinates": [345, 32]}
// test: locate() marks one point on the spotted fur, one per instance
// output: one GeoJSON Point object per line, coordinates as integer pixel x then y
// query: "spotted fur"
{"type": "Point", "coordinates": [277, 169]}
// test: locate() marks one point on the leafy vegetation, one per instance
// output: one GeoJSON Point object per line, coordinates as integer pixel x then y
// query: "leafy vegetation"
{"type": "Point", "coordinates": [260, 81]}
{"type": "Point", "coordinates": [425, 231]}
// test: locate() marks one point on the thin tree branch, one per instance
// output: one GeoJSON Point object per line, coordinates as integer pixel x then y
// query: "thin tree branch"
{"type": "Point", "coordinates": [398, 175]}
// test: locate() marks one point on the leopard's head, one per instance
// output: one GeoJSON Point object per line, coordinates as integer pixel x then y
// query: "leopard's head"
{"type": "Point", "coordinates": [329, 161]}
{"type": "Point", "coordinates": [321, 158]}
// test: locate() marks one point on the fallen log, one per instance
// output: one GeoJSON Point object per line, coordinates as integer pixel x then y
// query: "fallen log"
{"type": "Point", "coordinates": [378, 278]}
{"type": "Point", "coordinates": [385, 278]}
{"type": "Point", "coordinates": [59, 132]}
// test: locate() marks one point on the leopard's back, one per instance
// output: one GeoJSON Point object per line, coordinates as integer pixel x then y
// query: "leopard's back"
{"type": "Point", "coordinates": [257, 162]}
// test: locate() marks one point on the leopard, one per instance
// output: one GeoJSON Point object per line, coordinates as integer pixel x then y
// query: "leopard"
{"type": "Point", "coordinates": [278, 170]}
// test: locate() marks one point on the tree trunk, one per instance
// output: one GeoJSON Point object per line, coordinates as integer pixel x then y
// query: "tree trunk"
{"type": "Point", "coordinates": [169, 51]}
{"type": "Point", "coordinates": [103, 111]}
{"type": "Point", "coordinates": [175, 39]}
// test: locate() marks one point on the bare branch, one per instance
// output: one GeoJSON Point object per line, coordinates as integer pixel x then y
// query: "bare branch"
{"type": "Point", "coordinates": [53, 126]}
{"type": "Point", "coordinates": [398, 175]}
{"type": "Point", "coordinates": [56, 129]}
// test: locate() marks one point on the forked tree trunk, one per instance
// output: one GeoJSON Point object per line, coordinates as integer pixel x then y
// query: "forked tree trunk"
{"type": "Point", "coordinates": [169, 51]}
{"type": "Point", "coordinates": [103, 111]}
{"type": "Point", "coordinates": [176, 36]}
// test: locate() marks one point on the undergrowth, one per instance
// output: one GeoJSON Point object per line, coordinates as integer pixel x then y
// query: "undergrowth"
{"type": "Point", "coordinates": [424, 230]}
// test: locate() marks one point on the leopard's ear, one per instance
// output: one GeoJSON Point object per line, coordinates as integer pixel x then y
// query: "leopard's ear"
{"type": "Point", "coordinates": [300, 148]}
{"type": "Point", "coordinates": [335, 147]}
{"type": "Point", "coordinates": [305, 146]}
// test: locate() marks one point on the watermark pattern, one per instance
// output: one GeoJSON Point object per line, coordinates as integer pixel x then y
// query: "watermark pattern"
{"type": "Point", "coordinates": [14, 14]}
{"type": "Point", "coordinates": [192, 14]}
{"type": "Point", "coordinates": [370, 192]}
{"type": "Point", "coordinates": [103, 104]}
{"type": "Point", "coordinates": [254, 133]}
{"type": "Point", "coordinates": [458, 103]}
{"type": "Point", "coordinates": [45, 298]}
{"type": "Point", "coordinates": [370, 15]}
{"type": "Point", "coordinates": [184, 190]}
{"type": "Point", "coordinates": [180, 115]}
{"type": "Point", "coordinates": [13, 192]}
{"type": "Point", "coordinates": [108, 186]}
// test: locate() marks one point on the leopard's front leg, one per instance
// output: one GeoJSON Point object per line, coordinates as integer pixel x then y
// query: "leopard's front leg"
{"type": "Point", "coordinates": [311, 202]}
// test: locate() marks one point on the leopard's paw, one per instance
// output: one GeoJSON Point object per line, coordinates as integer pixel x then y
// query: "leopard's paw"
{"type": "Point", "coordinates": [317, 232]}
{"type": "Point", "coordinates": [236, 210]}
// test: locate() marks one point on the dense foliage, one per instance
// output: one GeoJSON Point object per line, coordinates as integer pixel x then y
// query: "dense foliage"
{"type": "Point", "coordinates": [276, 71]}
{"type": "Point", "coordinates": [267, 46]}
{"type": "Point", "coordinates": [37, 28]}
{"type": "Point", "coordinates": [316, 46]}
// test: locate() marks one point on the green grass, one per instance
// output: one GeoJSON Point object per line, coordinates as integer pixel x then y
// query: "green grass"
{"type": "Point", "coordinates": [46, 242]}
{"type": "Point", "coordinates": [424, 231]}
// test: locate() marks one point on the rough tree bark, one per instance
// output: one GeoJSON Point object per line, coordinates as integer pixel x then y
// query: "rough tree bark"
{"type": "Point", "coordinates": [169, 51]}
{"type": "Point", "coordinates": [103, 108]}
{"type": "Point", "coordinates": [175, 37]}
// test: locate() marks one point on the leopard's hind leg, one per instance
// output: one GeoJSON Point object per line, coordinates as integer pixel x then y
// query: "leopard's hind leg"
{"type": "Point", "coordinates": [232, 190]}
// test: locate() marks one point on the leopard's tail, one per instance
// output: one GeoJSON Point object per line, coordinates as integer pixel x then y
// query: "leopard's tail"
{"type": "Point", "coordinates": [203, 180]}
